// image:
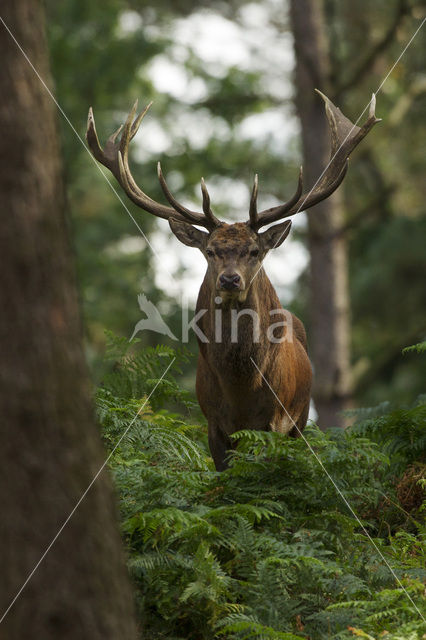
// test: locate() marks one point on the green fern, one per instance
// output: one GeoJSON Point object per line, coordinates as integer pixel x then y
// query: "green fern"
{"type": "Point", "coordinates": [420, 347]}
{"type": "Point", "coordinates": [244, 629]}
{"type": "Point", "coordinates": [268, 548]}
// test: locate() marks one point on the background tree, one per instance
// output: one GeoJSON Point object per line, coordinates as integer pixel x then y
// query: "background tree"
{"type": "Point", "coordinates": [385, 224]}
{"type": "Point", "coordinates": [108, 54]}
{"type": "Point", "coordinates": [50, 448]}
{"type": "Point", "coordinates": [329, 295]}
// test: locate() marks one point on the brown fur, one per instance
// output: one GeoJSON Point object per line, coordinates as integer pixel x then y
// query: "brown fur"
{"type": "Point", "coordinates": [231, 392]}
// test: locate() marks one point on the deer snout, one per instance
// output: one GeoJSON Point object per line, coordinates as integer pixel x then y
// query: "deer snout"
{"type": "Point", "coordinates": [229, 282]}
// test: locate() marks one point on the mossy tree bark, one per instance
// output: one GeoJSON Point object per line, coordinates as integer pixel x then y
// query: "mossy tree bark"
{"type": "Point", "coordinates": [50, 449]}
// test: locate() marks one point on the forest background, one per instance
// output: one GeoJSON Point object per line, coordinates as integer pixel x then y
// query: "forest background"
{"type": "Point", "coordinates": [282, 545]}
{"type": "Point", "coordinates": [221, 78]}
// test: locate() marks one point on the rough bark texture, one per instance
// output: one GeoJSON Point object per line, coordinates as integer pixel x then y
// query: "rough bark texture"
{"type": "Point", "coordinates": [50, 449]}
{"type": "Point", "coordinates": [329, 301]}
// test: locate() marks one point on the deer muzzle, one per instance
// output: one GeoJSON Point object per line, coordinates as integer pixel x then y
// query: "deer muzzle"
{"type": "Point", "coordinates": [230, 282]}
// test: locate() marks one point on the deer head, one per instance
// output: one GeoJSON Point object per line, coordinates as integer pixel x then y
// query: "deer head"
{"type": "Point", "coordinates": [234, 252]}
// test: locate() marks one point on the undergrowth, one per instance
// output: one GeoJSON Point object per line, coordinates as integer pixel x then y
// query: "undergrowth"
{"type": "Point", "coordinates": [290, 542]}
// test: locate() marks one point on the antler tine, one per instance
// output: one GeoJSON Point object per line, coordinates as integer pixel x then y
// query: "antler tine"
{"type": "Point", "coordinates": [123, 176]}
{"type": "Point", "coordinates": [114, 156]}
{"type": "Point", "coordinates": [372, 109]}
{"type": "Point", "coordinates": [190, 216]}
{"type": "Point", "coordinates": [115, 161]}
{"type": "Point", "coordinates": [130, 129]}
{"type": "Point", "coordinates": [276, 213]}
{"type": "Point", "coordinates": [93, 140]}
{"type": "Point", "coordinates": [114, 135]}
{"type": "Point", "coordinates": [345, 136]}
{"type": "Point", "coordinates": [138, 120]}
{"type": "Point", "coordinates": [126, 136]}
{"type": "Point", "coordinates": [254, 219]}
{"type": "Point", "coordinates": [206, 205]}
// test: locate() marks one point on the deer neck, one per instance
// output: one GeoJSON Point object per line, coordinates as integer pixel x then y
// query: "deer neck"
{"type": "Point", "coordinates": [236, 329]}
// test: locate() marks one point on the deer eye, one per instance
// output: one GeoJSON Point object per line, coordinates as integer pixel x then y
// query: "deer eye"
{"type": "Point", "coordinates": [210, 253]}
{"type": "Point", "coordinates": [254, 252]}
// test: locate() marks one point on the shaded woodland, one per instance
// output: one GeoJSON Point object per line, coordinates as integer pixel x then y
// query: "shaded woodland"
{"type": "Point", "coordinates": [356, 301]}
{"type": "Point", "coordinates": [285, 543]}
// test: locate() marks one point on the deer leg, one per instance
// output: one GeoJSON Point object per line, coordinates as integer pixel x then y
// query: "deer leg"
{"type": "Point", "coordinates": [301, 423]}
{"type": "Point", "coordinates": [219, 445]}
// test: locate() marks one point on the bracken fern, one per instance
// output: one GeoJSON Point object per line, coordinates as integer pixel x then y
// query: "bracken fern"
{"type": "Point", "coordinates": [267, 549]}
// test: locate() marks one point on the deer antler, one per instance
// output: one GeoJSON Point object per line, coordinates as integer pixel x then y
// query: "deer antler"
{"type": "Point", "coordinates": [344, 138]}
{"type": "Point", "coordinates": [115, 156]}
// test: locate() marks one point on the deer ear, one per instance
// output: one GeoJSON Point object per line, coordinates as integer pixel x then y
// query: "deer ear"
{"type": "Point", "coordinates": [189, 235]}
{"type": "Point", "coordinates": [273, 237]}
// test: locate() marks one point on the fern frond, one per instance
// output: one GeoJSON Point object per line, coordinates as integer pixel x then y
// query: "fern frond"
{"type": "Point", "coordinates": [420, 347]}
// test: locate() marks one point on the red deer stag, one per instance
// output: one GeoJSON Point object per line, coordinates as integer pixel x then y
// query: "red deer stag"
{"type": "Point", "coordinates": [258, 377]}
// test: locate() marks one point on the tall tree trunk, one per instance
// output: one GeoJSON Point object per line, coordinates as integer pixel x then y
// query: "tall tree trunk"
{"type": "Point", "coordinates": [50, 449]}
{"type": "Point", "coordinates": [329, 299]}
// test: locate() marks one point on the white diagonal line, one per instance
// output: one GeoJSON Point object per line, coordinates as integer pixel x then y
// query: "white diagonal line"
{"type": "Point", "coordinates": [64, 524]}
{"type": "Point", "coordinates": [113, 189]}
{"type": "Point", "coordinates": [353, 127]}
{"type": "Point", "coordinates": [400, 56]}
{"type": "Point", "coordinates": [318, 459]}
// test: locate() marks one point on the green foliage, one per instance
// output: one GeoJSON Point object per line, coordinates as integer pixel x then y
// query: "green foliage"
{"type": "Point", "coordinates": [137, 372]}
{"type": "Point", "coordinates": [400, 432]}
{"type": "Point", "coordinates": [267, 549]}
{"type": "Point", "coordinates": [103, 54]}
{"type": "Point", "coordinates": [385, 257]}
{"type": "Point", "coordinates": [420, 347]}
{"type": "Point", "coordinates": [389, 609]}
{"type": "Point", "coordinates": [97, 62]}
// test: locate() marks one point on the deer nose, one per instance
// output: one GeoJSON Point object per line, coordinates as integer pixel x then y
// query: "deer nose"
{"type": "Point", "coordinates": [229, 282]}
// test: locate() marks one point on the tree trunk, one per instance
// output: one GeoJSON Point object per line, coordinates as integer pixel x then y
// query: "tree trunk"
{"type": "Point", "coordinates": [50, 449]}
{"type": "Point", "coordinates": [329, 299]}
